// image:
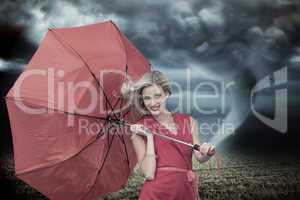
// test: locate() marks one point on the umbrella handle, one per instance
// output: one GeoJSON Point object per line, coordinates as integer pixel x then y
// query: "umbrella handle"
{"type": "Point", "coordinates": [196, 147]}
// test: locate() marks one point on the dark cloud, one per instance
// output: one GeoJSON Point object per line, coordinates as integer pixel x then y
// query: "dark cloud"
{"type": "Point", "coordinates": [241, 40]}
{"type": "Point", "coordinates": [195, 29]}
{"type": "Point", "coordinates": [237, 33]}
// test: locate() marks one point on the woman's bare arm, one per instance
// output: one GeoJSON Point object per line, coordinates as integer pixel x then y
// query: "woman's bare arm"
{"type": "Point", "coordinates": [146, 156]}
{"type": "Point", "coordinates": [194, 129]}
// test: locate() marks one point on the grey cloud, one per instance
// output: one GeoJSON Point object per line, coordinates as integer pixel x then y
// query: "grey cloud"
{"type": "Point", "coordinates": [200, 29]}
{"type": "Point", "coordinates": [174, 33]}
{"type": "Point", "coordinates": [238, 40]}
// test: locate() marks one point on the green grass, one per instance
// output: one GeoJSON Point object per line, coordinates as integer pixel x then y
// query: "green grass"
{"type": "Point", "coordinates": [234, 176]}
{"type": "Point", "coordinates": [227, 176]}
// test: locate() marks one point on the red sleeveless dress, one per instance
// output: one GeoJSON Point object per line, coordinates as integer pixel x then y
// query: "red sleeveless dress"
{"type": "Point", "coordinates": [174, 178]}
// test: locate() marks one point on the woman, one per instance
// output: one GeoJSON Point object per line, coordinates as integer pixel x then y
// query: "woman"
{"type": "Point", "coordinates": [166, 165]}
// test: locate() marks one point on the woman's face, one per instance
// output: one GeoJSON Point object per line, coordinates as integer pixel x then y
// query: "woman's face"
{"type": "Point", "coordinates": [154, 99]}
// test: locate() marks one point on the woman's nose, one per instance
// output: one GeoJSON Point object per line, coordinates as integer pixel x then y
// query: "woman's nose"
{"type": "Point", "coordinates": [153, 102]}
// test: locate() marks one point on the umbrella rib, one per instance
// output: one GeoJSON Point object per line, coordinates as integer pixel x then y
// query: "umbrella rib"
{"type": "Point", "coordinates": [102, 164]}
{"type": "Point", "coordinates": [123, 132]}
{"type": "Point", "coordinates": [125, 147]}
{"type": "Point", "coordinates": [62, 42]}
{"type": "Point", "coordinates": [118, 119]}
{"type": "Point", "coordinates": [121, 117]}
{"type": "Point", "coordinates": [121, 97]}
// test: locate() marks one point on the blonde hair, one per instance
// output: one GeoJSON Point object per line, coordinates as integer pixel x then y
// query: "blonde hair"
{"type": "Point", "coordinates": [148, 79]}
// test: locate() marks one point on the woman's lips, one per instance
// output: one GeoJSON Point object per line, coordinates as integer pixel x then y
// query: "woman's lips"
{"type": "Point", "coordinates": [155, 108]}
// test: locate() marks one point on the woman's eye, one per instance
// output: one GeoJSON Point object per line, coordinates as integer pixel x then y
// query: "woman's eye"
{"type": "Point", "coordinates": [157, 95]}
{"type": "Point", "coordinates": [146, 98]}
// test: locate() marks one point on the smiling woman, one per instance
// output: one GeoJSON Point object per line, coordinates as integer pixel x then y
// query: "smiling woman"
{"type": "Point", "coordinates": [166, 165]}
{"type": "Point", "coordinates": [152, 90]}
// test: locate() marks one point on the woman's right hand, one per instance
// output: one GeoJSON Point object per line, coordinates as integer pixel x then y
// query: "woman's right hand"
{"type": "Point", "coordinates": [140, 130]}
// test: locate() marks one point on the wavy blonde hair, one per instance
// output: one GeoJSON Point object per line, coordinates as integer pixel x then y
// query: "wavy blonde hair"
{"type": "Point", "coordinates": [148, 79]}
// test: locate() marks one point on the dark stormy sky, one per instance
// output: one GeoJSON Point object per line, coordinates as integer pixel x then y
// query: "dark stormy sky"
{"type": "Point", "coordinates": [220, 41]}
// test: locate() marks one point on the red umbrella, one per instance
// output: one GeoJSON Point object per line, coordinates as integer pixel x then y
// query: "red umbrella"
{"type": "Point", "coordinates": [60, 110]}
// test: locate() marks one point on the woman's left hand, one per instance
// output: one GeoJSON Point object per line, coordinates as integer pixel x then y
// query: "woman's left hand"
{"type": "Point", "coordinates": [207, 149]}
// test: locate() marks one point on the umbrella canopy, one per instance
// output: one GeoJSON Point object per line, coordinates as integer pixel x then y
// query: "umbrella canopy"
{"type": "Point", "coordinates": [61, 107]}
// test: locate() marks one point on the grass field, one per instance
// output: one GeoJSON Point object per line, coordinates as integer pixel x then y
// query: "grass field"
{"type": "Point", "coordinates": [227, 176]}
{"type": "Point", "coordinates": [236, 176]}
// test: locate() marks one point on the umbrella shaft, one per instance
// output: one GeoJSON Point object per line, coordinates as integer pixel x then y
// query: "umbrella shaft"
{"type": "Point", "coordinates": [164, 136]}
{"type": "Point", "coordinates": [173, 139]}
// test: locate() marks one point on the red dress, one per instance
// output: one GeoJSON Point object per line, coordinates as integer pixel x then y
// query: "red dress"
{"type": "Point", "coordinates": [174, 178]}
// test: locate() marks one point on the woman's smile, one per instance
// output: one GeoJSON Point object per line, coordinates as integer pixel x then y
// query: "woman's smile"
{"type": "Point", "coordinates": [155, 107]}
